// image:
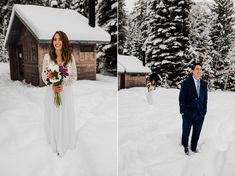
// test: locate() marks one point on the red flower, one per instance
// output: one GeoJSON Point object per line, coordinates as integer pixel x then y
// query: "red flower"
{"type": "Point", "coordinates": [51, 75]}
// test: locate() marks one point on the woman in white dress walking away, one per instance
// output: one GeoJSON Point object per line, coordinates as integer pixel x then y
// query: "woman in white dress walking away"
{"type": "Point", "coordinates": [150, 94]}
{"type": "Point", "coordinates": [59, 121]}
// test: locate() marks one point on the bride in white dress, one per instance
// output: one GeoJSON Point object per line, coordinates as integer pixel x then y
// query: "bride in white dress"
{"type": "Point", "coordinates": [150, 94]}
{"type": "Point", "coordinates": [59, 121]}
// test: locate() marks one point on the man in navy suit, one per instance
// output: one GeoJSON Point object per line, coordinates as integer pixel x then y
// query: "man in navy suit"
{"type": "Point", "coordinates": [193, 106]}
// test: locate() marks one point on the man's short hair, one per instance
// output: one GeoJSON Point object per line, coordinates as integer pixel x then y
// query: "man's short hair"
{"type": "Point", "coordinates": [195, 64]}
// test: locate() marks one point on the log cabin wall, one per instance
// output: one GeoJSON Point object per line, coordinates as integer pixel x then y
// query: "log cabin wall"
{"type": "Point", "coordinates": [135, 80]}
{"type": "Point", "coordinates": [75, 49]}
{"type": "Point", "coordinates": [30, 57]}
{"type": "Point", "coordinates": [86, 57]}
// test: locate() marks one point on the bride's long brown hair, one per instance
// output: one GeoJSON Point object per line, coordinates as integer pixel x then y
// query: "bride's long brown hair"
{"type": "Point", "coordinates": [66, 48]}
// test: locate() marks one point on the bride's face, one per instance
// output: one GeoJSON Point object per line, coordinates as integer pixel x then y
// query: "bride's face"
{"type": "Point", "coordinates": [57, 42]}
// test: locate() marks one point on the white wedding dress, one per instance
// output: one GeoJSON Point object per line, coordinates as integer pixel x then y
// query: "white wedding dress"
{"type": "Point", "coordinates": [150, 93]}
{"type": "Point", "coordinates": [59, 122]}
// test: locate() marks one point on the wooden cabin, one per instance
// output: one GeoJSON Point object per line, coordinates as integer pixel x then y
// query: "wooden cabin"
{"type": "Point", "coordinates": [131, 72]}
{"type": "Point", "coordinates": [29, 35]}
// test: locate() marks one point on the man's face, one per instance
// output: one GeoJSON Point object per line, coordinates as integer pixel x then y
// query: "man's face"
{"type": "Point", "coordinates": [197, 72]}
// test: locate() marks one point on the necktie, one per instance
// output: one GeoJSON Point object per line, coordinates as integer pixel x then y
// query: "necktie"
{"type": "Point", "coordinates": [198, 87]}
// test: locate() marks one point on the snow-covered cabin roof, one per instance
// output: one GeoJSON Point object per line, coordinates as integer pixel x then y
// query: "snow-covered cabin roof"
{"type": "Point", "coordinates": [42, 22]}
{"type": "Point", "coordinates": [132, 65]}
{"type": "Point", "coordinates": [120, 68]}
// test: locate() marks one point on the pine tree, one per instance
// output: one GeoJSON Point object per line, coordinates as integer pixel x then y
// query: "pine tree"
{"type": "Point", "coordinates": [139, 29]}
{"type": "Point", "coordinates": [168, 39]}
{"type": "Point", "coordinates": [132, 35]}
{"type": "Point", "coordinates": [3, 13]}
{"type": "Point", "coordinates": [136, 43]}
{"type": "Point", "coordinates": [229, 75]}
{"type": "Point", "coordinates": [200, 20]}
{"type": "Point", "coordinates": [122, 25]}
{"type": "Point", "coordinates": [79, 7]}
{"type": "Point", "coordinates": [3, 52]}
{"type": "Point", "coordinates": [64, 4]}
{"type": "Point", "coordinates": [129, 37]}
{"type": "Point", "coordinates": [107, 19]}
{"type": "Point", "coordinates": [6, 8]}
{"type": "Point", "coordinates": [222, 37]}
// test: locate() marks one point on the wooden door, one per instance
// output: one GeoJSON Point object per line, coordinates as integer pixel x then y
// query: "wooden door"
{"type": "Point", "coordinates": [122, 81]}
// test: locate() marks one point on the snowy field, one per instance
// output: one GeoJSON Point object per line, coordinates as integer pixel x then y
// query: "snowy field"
{"type": "Point", "coordinates": [150, 135]}
{"type": "Point", "coordinates": [23, 147]}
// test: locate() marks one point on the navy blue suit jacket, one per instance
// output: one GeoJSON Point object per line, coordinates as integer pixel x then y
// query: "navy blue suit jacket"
{"type": "Point", "coordinates": [192, 106]}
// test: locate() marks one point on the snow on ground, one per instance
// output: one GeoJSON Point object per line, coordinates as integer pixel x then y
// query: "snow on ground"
{"type": "Point", "coordinates": [23, 147]}
{"type": "Point", "coordinates": [150, 135]}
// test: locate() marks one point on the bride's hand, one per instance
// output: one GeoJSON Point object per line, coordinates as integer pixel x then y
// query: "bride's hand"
{"type": "Point", "coordinates": [58, 89]}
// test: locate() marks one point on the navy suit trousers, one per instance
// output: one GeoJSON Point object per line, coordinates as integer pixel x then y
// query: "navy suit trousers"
{"type": "Point", "coordinates": [186, 128]}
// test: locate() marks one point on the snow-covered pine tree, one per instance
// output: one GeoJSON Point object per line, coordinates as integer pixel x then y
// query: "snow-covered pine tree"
{"type": "Point", "coordinates": [222, 36]}
{"type": "Point", "coordinates": [148, 44]}
{"type": "Point", "coordinates": [75, 4]}
{"type": "Point", "coordinates": [3, 12]}
{"type": "Point", "coordinates": [139, 29]}
{"type": "Point", "coordinates": [168, 39]}
{"type": "Point", "coordinates": [200, 19]}
{"type": "Point", "coordinates": [80, 7]}
{"type": "Point", "coordinates": [130, 34]}
{"type": "Point", "coordinates": [229, 77]}
{"type": "Point", "coordinates": [36, 2]}
{"type": "Point", "coordinates": [128, 43]}
{"type": "Point", "coordinates": [107, 19]}
{"type": "Point", "coordinates": [6, 9]}
{"type": "Point", "coordinates": [64, 4]}
{"type": "Point", "coordinates": [3, 52]}
{"type": "Point", "coordinates": [3, 7]}
{"type": "Point", "coordinates": [133, 45]}
{"type": "Point", "coordinates": [6, 12]}
{"type": "Point", "coordinates": [122, 25]}
{"type": "Point", "coordinates": [136, 43]}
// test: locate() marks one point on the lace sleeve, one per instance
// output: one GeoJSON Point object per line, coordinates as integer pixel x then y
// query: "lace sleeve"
{"type": "Point", "coordinates": [45, 65]}
{"type": "Point", "coordinates": [72, 73]}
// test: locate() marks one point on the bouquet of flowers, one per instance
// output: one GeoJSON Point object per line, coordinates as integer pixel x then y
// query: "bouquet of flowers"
{"type": "Point", "coordinates": [56, 75]}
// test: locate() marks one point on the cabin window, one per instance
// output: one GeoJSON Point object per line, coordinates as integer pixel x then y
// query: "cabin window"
{"type": "Point", "coordinates": [137, 74]}
{"type": "Point", "coordinates": [34, 53]}
{"type": "Point", "coordinates": [87, 48]}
